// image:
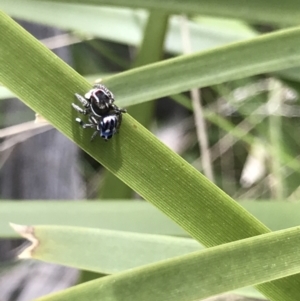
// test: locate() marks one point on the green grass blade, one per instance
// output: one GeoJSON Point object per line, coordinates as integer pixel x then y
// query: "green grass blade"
{"type": "Point", "coordinates": [169, 182]}
{"type": "Point", "coordinates": [264, 54]}
{"type": "Point", "coordinates": [287, 12]}
{"type": "Point", "coordinates": [151, 50]}
{"type": "Point", "coordinates": [197, 275]}
{"type": "Point", "coordinates": [5, 93]}
{"type": "Point", "coordinates": [90, 19]}
{"type": "Point", "coordinates": [106, 251]}
{"type": "Point", "coordinates": [119, 215]}
{"type": "Point", "coordinates": [111, 251]}
{"type": "Point", "coordinates": [127, 215]}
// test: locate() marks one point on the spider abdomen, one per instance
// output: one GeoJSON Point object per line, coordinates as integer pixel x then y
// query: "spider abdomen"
{"type": "Point", "coordinates": [108, 126]}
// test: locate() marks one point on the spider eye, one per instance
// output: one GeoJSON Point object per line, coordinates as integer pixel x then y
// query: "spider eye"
{"type": "Point", "coordinates": [102, 97]}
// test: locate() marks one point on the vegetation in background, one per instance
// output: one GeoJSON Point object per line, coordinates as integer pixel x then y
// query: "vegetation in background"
{"type": "Point", "coordinates": [247, 70]}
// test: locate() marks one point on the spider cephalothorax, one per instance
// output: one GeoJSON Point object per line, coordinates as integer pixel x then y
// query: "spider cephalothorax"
{"type": "Point", "coordinates": [101, 99]}
{"type": "Point", "coordinates": [104, 116]}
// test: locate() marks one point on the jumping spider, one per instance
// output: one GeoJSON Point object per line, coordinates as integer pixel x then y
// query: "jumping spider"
{"type": "Point", "coordinates": [104, 116]}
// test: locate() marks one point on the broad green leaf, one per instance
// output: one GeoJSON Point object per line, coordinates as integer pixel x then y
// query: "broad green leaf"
{"type": "Point", "coordinates": [105, 251]}
{"type": "Point", "coordinates": [151, 50]}
{"type": "Point", "coordinates": [109, 252]}
{"type": "Point", "coordinates": [125, 25]}
{"type": "Point", "coordinates": [135, 155]}
{"type": "Point", "coordinates": [194, 276]}
{"type": "Point", "coordinates": [127, 215]}
{"type": "Point", "coordinates": [287, 12]}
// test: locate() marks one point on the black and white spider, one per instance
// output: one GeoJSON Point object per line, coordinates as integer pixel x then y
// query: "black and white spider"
{"type": "Point", "coordinates": [104, 116]}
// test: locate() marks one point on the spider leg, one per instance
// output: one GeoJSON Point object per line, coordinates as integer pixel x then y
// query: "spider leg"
{"type": "Point", "coordinates": [80, 110]}
{"type": "Point", "coordinates": [122, 110]}
{"type": "Point", "coordinates": [117, 110]}
{"type": "Point", "coordinates": [94, 135]}
{"type": "Point", "coordinates": [85, 125]}
{"type": "Point", "coordinates": [119, 123]}
{"type": "Point", "coordinates": [83, 101]}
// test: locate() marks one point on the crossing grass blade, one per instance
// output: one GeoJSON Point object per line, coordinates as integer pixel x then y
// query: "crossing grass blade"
{"type": "Point", "coordinates": [94, 21]}
{"type": "Point", "coordinates": [105, 251]}
{"type": "Point", "coordinates": [128, 215]}
{"type": "Point", "coordinates": [287, 12]}
{"type": "Point", "coordinates": [194, 276]}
